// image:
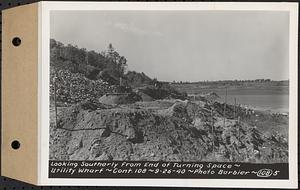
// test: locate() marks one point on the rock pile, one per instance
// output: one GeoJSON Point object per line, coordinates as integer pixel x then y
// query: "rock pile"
{"type": "Point", "coordinates": [182, 132]}
{"type": "Point", "coordinates": [75, 87]}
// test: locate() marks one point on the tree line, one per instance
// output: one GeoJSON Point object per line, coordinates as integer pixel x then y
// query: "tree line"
{"type": "Point", "coordinates": [90, 63]}
{"type": "Point", "coordinates": [231, 82]}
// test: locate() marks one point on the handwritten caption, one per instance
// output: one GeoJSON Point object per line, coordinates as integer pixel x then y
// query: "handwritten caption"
{"type": "Point", "coordinates": [94, 169]}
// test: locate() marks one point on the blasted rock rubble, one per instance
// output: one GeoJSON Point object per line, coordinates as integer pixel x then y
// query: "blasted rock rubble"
{"type": "Point", "coordinates": [75, 87]}
{"type": "Point", "coordinates": [166, 130]}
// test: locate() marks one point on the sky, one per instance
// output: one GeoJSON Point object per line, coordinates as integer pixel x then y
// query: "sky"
{"type": "Point", "coordinates": [184, 45]}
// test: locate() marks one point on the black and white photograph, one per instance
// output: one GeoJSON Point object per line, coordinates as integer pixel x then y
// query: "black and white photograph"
{"type": "Point", "coordinates": [169, 86]}
{"type": "Point", "coordinates": [150, 94]}
{"type": "Point", "coordinates": [170, 94]}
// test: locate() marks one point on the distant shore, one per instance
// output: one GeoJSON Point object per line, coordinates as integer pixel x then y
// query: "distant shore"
{"type": "Point", "coordinates": [220, 88]}
{"type": "Point", "coordinates": [269, 96]}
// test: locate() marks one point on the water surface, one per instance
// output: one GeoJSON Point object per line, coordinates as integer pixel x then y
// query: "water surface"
{"type": "Point", "coordinates": [263, 99]}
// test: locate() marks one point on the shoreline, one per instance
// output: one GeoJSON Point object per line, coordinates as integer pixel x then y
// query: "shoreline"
{"type": "Point", "coordinates": [269, 103]}
{"type": "Point", "coordinates": [265, 110]}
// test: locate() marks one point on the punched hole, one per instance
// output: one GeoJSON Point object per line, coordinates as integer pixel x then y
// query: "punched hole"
{"type": "Point", "coordinates": [16, 41]}
{"type": "Point", "coordinates": [15, 145]}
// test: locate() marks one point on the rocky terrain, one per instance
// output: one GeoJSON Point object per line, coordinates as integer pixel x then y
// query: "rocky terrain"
{"type": "Point", "coordinates": [167, 130]}
{"type": "Point", "coordinates": [100, 112]}
{"type": "Point", "coordinates": [75, 87]}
